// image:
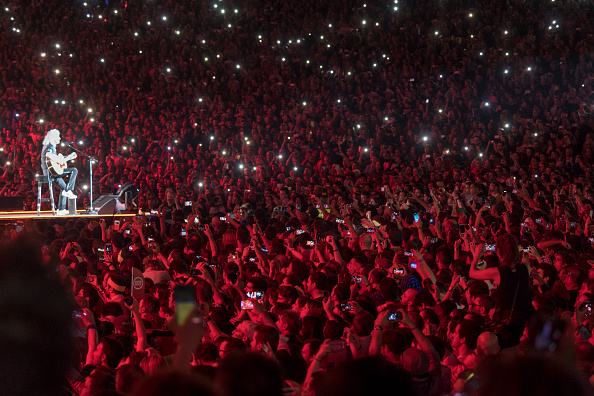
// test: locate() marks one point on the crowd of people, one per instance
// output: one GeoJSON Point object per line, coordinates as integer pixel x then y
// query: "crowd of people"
{"type": "Point", "coordinates": [333, 197]}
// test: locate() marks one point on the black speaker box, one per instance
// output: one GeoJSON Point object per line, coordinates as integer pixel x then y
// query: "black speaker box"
{"type": "Point", "coordinates": [105, 204]}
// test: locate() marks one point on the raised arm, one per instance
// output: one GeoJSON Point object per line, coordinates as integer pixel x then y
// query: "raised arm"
{"type": "Point", "coordinates": [485, 274]}
{"type": "Point", "coordinates": [423, 342]}
{"type": "Point", "coordinates": [141, 339]}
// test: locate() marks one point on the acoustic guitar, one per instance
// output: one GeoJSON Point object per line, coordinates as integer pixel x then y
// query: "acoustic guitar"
{"type": "Point", "coordinates": [57, 163]}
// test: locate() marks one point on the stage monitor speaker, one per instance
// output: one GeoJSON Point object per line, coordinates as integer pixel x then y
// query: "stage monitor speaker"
{"type": "Point", "coordinates": [105, 204]}
{"type": "Point", "coordinates": [11, 203]}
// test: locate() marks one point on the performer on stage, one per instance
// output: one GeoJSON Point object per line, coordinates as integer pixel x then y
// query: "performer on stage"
{"type": "Point", "coordinates": [54, 165]}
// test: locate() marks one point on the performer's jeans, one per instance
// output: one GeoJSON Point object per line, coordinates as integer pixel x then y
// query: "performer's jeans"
{"type": "Point", "coordinates": [73, 172]}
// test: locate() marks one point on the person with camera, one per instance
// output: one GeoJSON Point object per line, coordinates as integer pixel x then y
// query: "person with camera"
{"type": "Point", "coordinates": [511, 278]}
{"type": "Point", "coordinates": [420, 359]}
{"type": "Point", "coordinates": [583, 320]}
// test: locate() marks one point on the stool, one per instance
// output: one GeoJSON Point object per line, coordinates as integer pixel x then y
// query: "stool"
{"type": "Point", "coordinates": [41, 179]}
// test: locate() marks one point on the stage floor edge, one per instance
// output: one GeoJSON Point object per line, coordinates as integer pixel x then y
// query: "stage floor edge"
{"type": "Point", "coordinates": [47, 214]}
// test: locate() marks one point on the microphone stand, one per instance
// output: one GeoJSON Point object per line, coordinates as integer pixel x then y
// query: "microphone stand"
{"type": "Point", "coordinates": [90, 210]}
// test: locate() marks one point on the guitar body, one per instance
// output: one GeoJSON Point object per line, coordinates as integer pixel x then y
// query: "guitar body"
{"type": "Point", "coordinates": [57, 163]}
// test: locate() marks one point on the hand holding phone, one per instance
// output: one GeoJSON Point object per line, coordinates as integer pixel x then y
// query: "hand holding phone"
{"type": "Point", "coordinates": [395, 316]}
{"type": "Point", "coordinates": [490, 247]}
{"type": "Point", "coordinates": [398, 271]}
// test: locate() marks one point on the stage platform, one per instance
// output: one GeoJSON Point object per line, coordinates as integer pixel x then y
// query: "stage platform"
{"type": "Point", "coordinates": [47, 214]}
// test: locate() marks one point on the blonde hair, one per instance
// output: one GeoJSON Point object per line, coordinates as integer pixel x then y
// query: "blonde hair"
{"type": "Point", "coordinates": [153, 364]}
{"type": "Point", "coordinates": [51, 135]}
